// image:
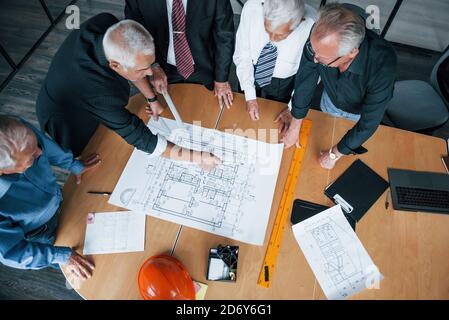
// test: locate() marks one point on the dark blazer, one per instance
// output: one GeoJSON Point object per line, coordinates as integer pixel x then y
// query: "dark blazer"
{"type": "Point", "coordinates": [209, 28]}
{"type": "Point", "coordinates": [81, 91]}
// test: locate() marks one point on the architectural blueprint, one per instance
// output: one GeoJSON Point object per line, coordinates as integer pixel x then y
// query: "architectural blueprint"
{"type": "Point", "coordinates": [334, 252]}
{"type": "Point", "coordinates": [232, 200]}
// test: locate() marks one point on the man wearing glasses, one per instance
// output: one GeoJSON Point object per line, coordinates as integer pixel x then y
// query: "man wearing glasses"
{"type": "Point", "coordinates": [357, 68]}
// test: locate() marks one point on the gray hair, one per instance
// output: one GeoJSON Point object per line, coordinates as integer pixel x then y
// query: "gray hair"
{"type": "Point", "coordinates": [124, 40]}
{"type": "Point", "coordinates": [14, 137]}
{"type": "Point", "coordinates": [279, 12]}
{"type": "Point", "coordinates": [350, 27]}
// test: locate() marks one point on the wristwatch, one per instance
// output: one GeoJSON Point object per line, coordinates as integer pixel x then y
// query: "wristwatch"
{"type": "Point", "coordinates": [332, 155]}
{"type": "Point", "coordinates": [150, 100]}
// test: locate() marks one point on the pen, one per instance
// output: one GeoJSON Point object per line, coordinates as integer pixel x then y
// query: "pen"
{"type": "Point", "coordinates": [100, 193]}
{"type": "Point", "coordinates": [387, 200]}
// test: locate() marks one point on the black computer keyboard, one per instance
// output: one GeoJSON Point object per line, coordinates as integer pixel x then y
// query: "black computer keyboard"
{"type": "Point", "coordinates": [423, 197]}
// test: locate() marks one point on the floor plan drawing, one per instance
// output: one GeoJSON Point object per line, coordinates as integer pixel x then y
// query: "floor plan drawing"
{"type": "Point", "coordinates": [233, 199]}
{"type": "Point", "coordinates": [339, 266]}
{"type": "Point", "coordinates": [337, 257]}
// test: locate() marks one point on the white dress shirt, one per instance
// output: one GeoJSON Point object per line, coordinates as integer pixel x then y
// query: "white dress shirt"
{"type": "Point", "coordinates": [160, 148]}
{"type": "Point", "coordinates": [252, 37]}
{"type": "Point", "coordinates": [171, 48]}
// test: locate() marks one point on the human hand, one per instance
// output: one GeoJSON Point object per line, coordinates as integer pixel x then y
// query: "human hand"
{"type": "Point", "coordinates": [159, 80]}
{"type": "Point", "coordinates": [252, 107]}
{"type": "Point", "coordinates": [154, 109]}
{"type": "Point", "coordinates": [326, 160]}
{"type": "Point", "coordinates": [79, 266]}
{"type": "Point", "coordinates": [224, 94]}
{"type": "Point", "coordinates": [289, 129]}
{"type": "Point", "coordinates": [207, 161]}
{"type": "Point", "coordinates": [90, 163]}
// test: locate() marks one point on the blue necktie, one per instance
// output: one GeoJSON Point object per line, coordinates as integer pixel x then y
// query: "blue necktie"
{"type": "Point", "coordinates": [265, 65]}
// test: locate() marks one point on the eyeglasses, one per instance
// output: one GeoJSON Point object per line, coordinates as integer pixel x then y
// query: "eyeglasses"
{"type": "Point", "coordinates": [313, 54]}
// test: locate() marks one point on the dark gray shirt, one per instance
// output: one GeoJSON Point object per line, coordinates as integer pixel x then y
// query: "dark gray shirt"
{"type": "Point", "coordinates": [364, 88]}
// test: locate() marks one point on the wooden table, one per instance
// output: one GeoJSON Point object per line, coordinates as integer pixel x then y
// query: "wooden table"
{"type": "Point", "coordinates": [115, 275]}
{"type": "Point", "coordinates": [410, 249]}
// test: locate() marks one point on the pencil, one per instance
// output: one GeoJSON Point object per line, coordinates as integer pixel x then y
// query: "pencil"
{"type": "Point", "coordinates": [102, 193]}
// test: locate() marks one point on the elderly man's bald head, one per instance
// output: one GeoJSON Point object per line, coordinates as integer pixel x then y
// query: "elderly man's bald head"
{"type": "Point", "coordinates": [18, 146]}
{"type": "Point", "coordinates": [124, 40]}
{"type": "Point", "coordinates": [129, 48]}
{"type": "Point", "coordinates": [282, 17]}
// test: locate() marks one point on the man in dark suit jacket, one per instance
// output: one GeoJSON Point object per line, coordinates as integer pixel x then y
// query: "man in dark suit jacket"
{"type": "Point", "coordinates": [87, 84]}
{"type": "Point", "coordinates": [201, 54]}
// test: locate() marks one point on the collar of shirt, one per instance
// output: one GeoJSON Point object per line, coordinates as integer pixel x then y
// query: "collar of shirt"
{"type": "Point", "coordinates": [40, 174]}
{"type": "Point", "coordinates": [170, 7]}
{"type": "Point", "coordinates": [358, 64]}
{"type": "Point", "coordinates": [99, 52]}
{"type": "Point", "coordinates": [6, 180]}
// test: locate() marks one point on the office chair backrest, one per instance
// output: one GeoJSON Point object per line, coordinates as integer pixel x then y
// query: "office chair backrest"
{"type": "Point", "coordinates": [439, 87]}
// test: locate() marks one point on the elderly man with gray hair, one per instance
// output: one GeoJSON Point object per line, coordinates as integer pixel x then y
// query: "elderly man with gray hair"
{"type": "Point", "coordinates": [87, 84]}
{"type": "Point", "coordinates": [30, 198]}
{"type": "Point", "coordinates": [358, 70]}
{"type": "Point", "coordinates": [269, 44]}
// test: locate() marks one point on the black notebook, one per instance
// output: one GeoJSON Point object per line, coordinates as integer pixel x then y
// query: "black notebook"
{"type": "Point", "coordinates": [303, 210]}
{"type": "Point", "coordinates": [357, 189]}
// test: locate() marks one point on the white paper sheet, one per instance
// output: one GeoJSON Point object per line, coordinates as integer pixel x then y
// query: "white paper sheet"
{"type": "Point", "coordinates": [233, 200]}
{"type": "Point", "coordinates": [334, 252]}
{"type": "Point", "coordinates": [114, 232]}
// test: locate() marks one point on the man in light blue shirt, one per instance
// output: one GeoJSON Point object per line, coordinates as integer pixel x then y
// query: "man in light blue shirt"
{"type": "Point", "coordinates": [30, 198]}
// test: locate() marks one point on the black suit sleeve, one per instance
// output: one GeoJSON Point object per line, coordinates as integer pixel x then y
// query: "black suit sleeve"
{"type": "Point", "coordinates": [112, 113]}
{"type": "Point", "coordinates": [132, 11]}
{"type": "Point", "coordinates": [224, 41]}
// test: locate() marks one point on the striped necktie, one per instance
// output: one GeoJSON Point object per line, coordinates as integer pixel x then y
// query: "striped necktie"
{"type": "Point", "coordinates": [183, 55]}
{"type": "Point", "coordinates": [265, 65]}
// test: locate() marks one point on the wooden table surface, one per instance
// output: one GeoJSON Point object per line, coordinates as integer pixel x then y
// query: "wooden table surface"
{"type": "Point", "coordinates": [410, 249]}
{"type": "Point", "coordinates": [115, 275]}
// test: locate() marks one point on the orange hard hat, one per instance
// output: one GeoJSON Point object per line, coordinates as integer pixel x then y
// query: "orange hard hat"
{"type": "Point", "coordinates": [163, 277]}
